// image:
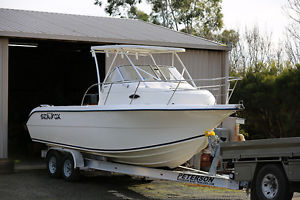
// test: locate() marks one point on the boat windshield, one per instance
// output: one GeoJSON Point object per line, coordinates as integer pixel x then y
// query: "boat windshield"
{"type": "Point", "coordinates": [129, 74]}
{"type": "Point", "coordinates": [170, 73]}
{"type": "Point", "coordinates": [147, 72]}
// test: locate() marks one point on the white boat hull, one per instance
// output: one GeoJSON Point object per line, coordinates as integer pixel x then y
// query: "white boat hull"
{"type": "Point", "coordinates": [154, 137]}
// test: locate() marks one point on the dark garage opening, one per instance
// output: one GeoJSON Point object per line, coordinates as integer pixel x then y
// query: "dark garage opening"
{"type": "Point", "coordinates": [54, 73]}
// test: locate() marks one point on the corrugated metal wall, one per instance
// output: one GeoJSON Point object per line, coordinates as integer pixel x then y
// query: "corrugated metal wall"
{"type": "Point", "coordinates": [202, 64]}
{"type": "Point", "coordinates": [3, 96]}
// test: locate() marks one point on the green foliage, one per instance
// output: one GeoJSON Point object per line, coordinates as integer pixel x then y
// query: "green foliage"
{"type": "Point", "coordinates": [209, 17]}
{"type": "Point", "coordinates": [163, 13]}
{"type": "Point", "coordinates": [228, 37]}
{"type": "Point", "coordinates": [114, 7]}
{"type": "Point", "coordinates": [198, 17]}
{"type": "Point", "coordinates": [272, 101]}
{"type": "Point", "coordinates": [137, 14]}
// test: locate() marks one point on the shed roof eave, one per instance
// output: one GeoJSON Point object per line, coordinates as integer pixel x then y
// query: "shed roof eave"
{"type": "Point", "coordinates": [109, 40]}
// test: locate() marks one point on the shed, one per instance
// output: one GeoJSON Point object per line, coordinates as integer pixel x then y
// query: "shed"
{"type": "Point", "coordinates": [45, 59]}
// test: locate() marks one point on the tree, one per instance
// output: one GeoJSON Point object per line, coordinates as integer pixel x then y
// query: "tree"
{"type": "Point", "coordinates": [269, 85]}
{"type": "Point", "coordinates": [137, 14]}
{"type": "Point", "coordinates": [117, 7]}
{"type": "Point", "coordinates": [206, 15]}
{"type": "Point", "coordinates": [293, 31]}
{"type": "Point", "coordinates": [252, 49]}
{"type": "Point", "coordinates": [163, 13]}
{"type": "Point", "coordinates": [198, 17]}
{"type": "Point", "coordinates": [272, 105]}
{"type": "Point", "coordinates": [259, 48]}
{"type": "Point", "coordinates": [232, 39]}
{"type": "Point", "coordinates": [229, 37]}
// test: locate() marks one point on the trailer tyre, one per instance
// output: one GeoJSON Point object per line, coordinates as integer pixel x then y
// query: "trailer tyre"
{"type": "Point", "coordinates": [271, 183]}
{"type": "Point", "coordinates": [68, 171]}
{"type": "Point", "coordinates": [54, 160]}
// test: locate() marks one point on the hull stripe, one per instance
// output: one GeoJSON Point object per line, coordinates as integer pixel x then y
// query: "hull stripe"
{"type": "Point", "coordinates": [115, 150]}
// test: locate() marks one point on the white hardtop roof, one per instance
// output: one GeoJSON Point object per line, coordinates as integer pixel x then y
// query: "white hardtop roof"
{"type": "Point", "coordinates": [132, 49]}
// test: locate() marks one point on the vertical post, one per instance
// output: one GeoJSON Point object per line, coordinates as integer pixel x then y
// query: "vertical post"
{"type": "Point", "coordinates": [173, 59]}
{"type": "Point", "coordinates": [98, 74]}
{"type": "Point", "coordinates": [226, 75]}
{"type": "Point", "coordinates": [134, 67]}
{"type": "Point", "coordinates": [174, 92]}
{"type": "Point", "coordinates": [110, 67]}
{"type": "Point", "coordinates": [137, 87]}
{"type": "Point", "coordinates": [151, 56]}
{"type": "Point", "coordinates": [3, 97]}
{"type": "Point", "coordinates": [185, 70]}
{"type": "Point", "coordinates": [214, 164]}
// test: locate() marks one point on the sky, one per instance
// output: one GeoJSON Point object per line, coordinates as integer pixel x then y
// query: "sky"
{"type": "Point", "coordinates": [266, 14]}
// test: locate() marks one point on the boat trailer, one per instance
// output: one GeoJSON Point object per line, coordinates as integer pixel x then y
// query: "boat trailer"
{"type": "Point", "coordinates": [68, 162]}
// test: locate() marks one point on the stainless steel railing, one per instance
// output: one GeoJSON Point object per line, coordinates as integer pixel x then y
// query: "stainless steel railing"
{"type": "Point", "coordinates": [213, 88]}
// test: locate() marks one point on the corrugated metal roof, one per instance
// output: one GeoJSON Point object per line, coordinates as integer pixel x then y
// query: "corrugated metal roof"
{"type": "Point", "coordinates": [44, 25]}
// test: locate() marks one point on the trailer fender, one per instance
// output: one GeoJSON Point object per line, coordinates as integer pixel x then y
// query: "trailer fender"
{"type": "Point", "coordinates": [77, 156]}
{"type": "Point", "coordinates": [291, 168]}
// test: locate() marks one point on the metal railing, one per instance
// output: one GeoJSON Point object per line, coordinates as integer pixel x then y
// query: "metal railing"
{"type": "Point", "coordinates": [215, 89]}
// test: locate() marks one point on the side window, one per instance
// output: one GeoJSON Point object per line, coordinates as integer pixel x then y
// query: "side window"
{"type": "Point", "coordinates": [175, 74]}
{"type": "Point", "coordinates": [114, 77]}
{"type": "Point", "coordinates": [170, 73]}
{"type": "Point", "coordinates": [128, 73]}
{"type": "Point", "coordinates": [147, 73]}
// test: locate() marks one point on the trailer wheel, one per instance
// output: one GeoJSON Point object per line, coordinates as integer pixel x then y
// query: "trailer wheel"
{"type": "Point", "coordinates": [54, 159]}
{"type": "Point", "coordinates": [68, 171]}
{"type": "Point", "coordinates": [271, 183]}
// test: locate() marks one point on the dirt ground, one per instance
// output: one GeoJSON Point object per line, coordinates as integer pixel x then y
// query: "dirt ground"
{"type": "Point", "coordinates": [159, 189]}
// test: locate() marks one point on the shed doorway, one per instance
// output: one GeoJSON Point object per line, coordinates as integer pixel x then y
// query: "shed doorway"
{"type": "Point", "coordinates": [45, 72]}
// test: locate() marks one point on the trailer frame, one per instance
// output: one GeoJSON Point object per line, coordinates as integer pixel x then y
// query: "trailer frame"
{"type": "Point", "coordinates": [85, 161]}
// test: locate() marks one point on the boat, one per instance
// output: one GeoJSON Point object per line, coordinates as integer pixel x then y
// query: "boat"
{"type": "Point", "coordinates": [145, 114]}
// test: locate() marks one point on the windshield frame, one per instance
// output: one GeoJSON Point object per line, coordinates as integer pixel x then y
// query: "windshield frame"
{"type": "Point", "coordinates": [157, 73]}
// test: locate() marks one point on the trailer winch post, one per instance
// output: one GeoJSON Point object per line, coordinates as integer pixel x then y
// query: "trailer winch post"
{"type": "Point", "coordinates": [214, 147]}
{"type": "Point", "coordinates": [214, 164]}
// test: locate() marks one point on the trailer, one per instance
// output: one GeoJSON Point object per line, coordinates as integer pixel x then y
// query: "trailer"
{"type": "Point", "coordinates": [270, 166]}
{"type": "Point", "coordinates": [66, 163]}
